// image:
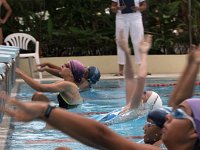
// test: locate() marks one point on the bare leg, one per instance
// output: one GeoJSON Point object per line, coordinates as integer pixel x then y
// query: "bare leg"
{"type": "Point", "coordinates": [38, 96]}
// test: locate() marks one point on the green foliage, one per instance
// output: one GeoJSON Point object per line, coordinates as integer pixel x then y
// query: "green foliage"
{"type": "Point", "coordinates": [82, 27]}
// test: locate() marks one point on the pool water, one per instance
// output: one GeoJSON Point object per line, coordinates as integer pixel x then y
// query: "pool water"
{"type": "Point", "coordinates": [104, 97]}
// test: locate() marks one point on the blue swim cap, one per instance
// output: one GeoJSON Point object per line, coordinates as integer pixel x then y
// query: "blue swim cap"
{"type": "Point", "coordinates": [158, 116]}
{"type": "Point", "coordinates": [93, 74]}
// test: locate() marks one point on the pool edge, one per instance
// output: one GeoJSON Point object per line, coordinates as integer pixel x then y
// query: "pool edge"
{"type": "Point", "coordinates": [5, 124]}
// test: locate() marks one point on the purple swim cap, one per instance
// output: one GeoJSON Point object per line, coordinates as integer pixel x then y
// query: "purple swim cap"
{"type": "Point", "coordinates": [194, 103]}
{"type": "Point", "coordinates": [77, 69]}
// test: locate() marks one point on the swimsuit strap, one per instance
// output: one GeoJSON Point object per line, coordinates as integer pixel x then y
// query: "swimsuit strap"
{"type": "Point", "coordinates": [154, 102]}
{"type": "Point", "coordinates": [64, 99]}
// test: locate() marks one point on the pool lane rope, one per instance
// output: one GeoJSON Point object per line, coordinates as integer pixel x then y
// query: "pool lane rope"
{"type": "Point", "coordinates": [167, 84]}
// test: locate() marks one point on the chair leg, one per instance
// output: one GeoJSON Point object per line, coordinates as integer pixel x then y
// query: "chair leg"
{"type": "Point", "coordinates": [30, 59]}
{"type": "Point", "coordinates": [37, 60]}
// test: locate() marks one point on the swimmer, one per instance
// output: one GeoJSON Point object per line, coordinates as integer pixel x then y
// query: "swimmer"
{"type": "Point", "coordinates": [181, 130]}
{"type": "Point", "coordinates": [153, 127]}
{"type": "Point", "coordinates": [84, 77]}
{"type": "Point", "coordinates": [138, 101]}
{"type": "Point", "coordinates": [68, 93]}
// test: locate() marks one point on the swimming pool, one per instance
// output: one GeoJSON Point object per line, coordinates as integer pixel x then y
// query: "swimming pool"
{"type": "Point", "coordinates": [102, 98]}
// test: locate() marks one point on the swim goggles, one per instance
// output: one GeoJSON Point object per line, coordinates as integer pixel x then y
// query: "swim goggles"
{"type": "Point", "coordinates": [180, 114]}
{"type": "Point", "coordinates": [149, 124]}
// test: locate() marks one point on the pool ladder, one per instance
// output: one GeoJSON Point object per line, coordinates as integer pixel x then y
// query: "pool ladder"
{"type": "Point", "coordinates": [9, 59]}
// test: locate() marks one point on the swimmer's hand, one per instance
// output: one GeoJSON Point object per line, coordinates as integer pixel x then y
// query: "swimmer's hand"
{"type": "Point", "coordinates": [194, 54]}
{"type": "Point", "coordinates": [23, 111]}
{"type": "Point", "coordinates": [145, 44]}
{"type": "Point", "coordinates": [18, 71]}
{"type": "Point", "coordinates": [42, 65]}
{"type": "Point", "coordinates": [125, 109]}
{"type": "Point", "coordinates": [41, 69]}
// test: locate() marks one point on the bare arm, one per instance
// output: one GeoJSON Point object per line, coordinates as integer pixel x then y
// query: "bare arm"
{"type": "Point", "coordinates": [53, 87]}
{"type": "Point", "coordinates": [87, 131]}
{"type": "Point", "coordinates": [134, 89]}
{"type": "Point", "coordinates": [50, 68]}
{"type": "Point", "coordinates": [145, 45]}
{"type": "Point", "coordinates": [53, 71]}
{"type": "Point", "coordinates": [50, 65]}
{"type": "Point", "coordinates": [129, 72]}
{"type": "Point", "coordinates": [185, 86]}
{"type": "Point", "coordinates": [8, 11]}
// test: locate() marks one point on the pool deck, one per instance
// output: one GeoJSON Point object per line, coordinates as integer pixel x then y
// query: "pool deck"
{"type": "Point", "coordinates": [5, 125]}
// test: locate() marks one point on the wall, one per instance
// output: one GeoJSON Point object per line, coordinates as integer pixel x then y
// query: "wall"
{"type": "Point", "coordinates": [157, 64]}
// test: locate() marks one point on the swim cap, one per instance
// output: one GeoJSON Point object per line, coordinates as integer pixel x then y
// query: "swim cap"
{"type": "Point", "coordinates": [77, 69]}
{"type": "Point", "coordinates": [154, 101]}
{"type": "Point", "coordinates": [93, 75]}
{"type": "Point", "coordinates": [194, 103]}
{"type": "Point", "coordinates": [158, 116]}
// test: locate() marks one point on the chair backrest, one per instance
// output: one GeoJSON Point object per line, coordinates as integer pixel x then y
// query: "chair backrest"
{"type": "Point", "coordinates": [22, 40]}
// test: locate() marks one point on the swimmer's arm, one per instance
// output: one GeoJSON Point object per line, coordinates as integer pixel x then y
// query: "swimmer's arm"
{"type": "Point", "coordinates": [90, 132]}
{"type": "Point", "coordinates": [87, 131]}
{"type": "Point", "coordinates": [30, 81]}
{"type": "Point", "coordinates": [130, 84]}
{"type": "Point", "coordinates": [185, 86]}
{"type": "Point", "coordinates": [129, 75]}
{"type": "Point", "coordinates": [8, 11]}
{"type": "Point", "coordinates": [53, 71]}
{"type": "Point", "coordinates": [142, 73]}
{"type": "Point", "coordinates": [50, 68]}
{"type": "Point", "coordinates": [129, 72]}
{"type": "Point", "coordinates": [53, 87]}
{"type": "Point", "coordinates": [144, 46]}
{"type": "Point", "coordinates": [50, 65]}
{"type": "Point", "coordinates": [60, 86]}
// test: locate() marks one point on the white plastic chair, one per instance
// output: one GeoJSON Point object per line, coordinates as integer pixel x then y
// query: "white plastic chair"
{"type": "Point", "coordinates": [23, 41]}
